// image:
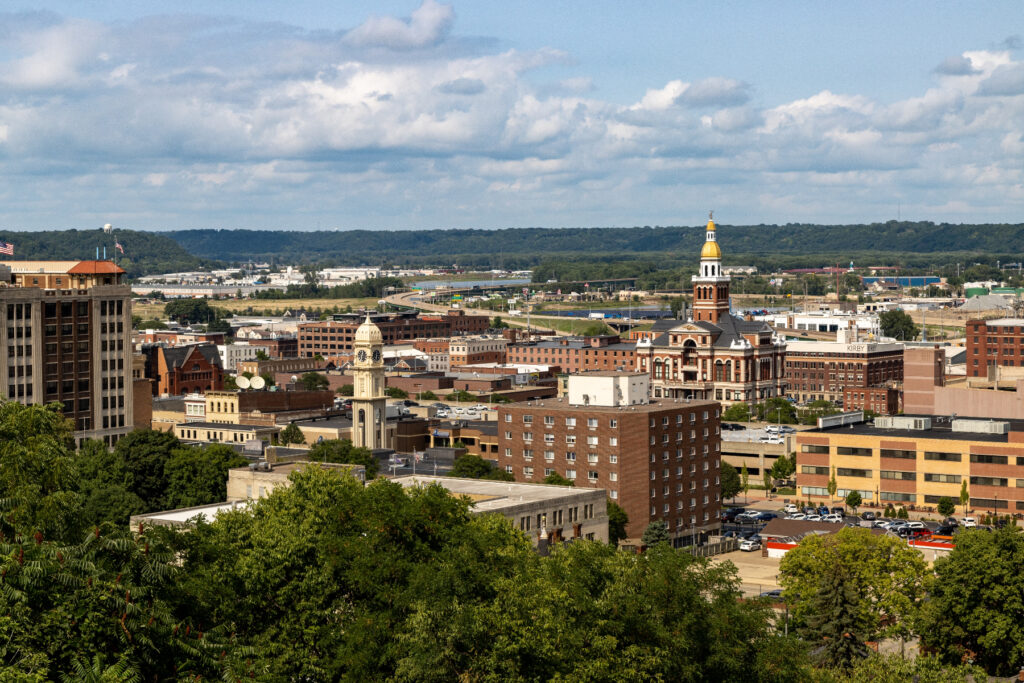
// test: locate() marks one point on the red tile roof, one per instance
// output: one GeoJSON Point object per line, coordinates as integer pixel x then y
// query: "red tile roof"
{"type": "Point", "coordinates": [96, 268]}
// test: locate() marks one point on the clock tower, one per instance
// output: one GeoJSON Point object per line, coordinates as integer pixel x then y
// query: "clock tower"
{"type": "Point", "coordinates": [369, 417]}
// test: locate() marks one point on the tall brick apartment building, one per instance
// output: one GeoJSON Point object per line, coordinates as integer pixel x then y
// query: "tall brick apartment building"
{"type": "Point", "coordinates": [66, 329]}
{"type": "Point", "coordinates": [659, 460]}
{"type": "Point", "coordinates": [994, 343]}
{"type": "Point", "coordinates": [335, 337]}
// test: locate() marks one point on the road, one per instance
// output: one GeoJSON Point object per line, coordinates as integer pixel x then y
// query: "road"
{"type": "Point", "coordinates": [413, 300]}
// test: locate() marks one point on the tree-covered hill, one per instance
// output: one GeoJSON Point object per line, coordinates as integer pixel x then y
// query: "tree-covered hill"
{"type": "Point", "coordinates": [144, 252]}
{"type": "Point", "coordinates": [527, 246]}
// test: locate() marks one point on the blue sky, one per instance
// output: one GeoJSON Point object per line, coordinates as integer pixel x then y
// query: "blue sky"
{"type": "Point", "coordinates": [401, 115]}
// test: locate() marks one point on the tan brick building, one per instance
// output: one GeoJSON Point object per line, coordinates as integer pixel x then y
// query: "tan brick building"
{"type": "Point", "coordinates": [575, 354]}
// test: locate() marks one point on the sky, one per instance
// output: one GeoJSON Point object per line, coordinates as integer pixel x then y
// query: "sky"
{"type": "Point", "coordinates": [422, 114]}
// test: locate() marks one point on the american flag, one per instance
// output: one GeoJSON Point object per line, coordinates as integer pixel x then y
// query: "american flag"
{"type": "Point", "coordinates": [6, 248]}
{"type": "Point", "coordinates": [117, 245]}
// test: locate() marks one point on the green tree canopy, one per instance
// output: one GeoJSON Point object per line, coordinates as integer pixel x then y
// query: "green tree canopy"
{"type": "Point", "coordinates": [618, 520]}
{"type": "Point", "coordinates": [853, 500]}
{"type": "Point", "coordinates": [342, 451]}
{"type": "Point", "coordinates": [427, 395]}
{"type": "Point", "coordinates": [395, 392]}
{"type": "Point", "coordinates": [346, 390]}
{"type": "Point", "coordinates": [777, 410]}
{"type": "Point", "coordinates": [730, 481]}
{"type": "Point", "coordinates": [737, 412]}
{"type": "Point", "coordinates": [969, 612]}
{"type": "Point", "coordinates": [655, 533]}
{"type": "Point", "coordinates": [884, 571]}
{"type": "Point", "coordinates": [190, 310]}
{"type": "Point", "coordinates": [899, 325]}
{"type": "Point", "coordinates": [145, 453]}
{"type": "Point", "coordinates": [946, 506]}
{"type": "Point", "coordinates": [557, 479]}
{"type": "Point", "coordinates": [199, 475]}
{"type": "Point", "coordinates": [836, 619]}
{"type": "Point", "coordinates": [291, 434]}
{"type": "Point", "coordinates": [313, 381]}
{"type": "Point", "coordinates": [471, 466]}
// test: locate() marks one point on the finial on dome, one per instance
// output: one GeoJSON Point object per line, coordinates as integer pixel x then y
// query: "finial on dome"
{"type": "Point", "coordinates": [711, 215]}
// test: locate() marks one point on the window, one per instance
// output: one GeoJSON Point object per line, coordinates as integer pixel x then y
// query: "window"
{"type": "Point", "coordinates": [527, 419]}
{"type": "Point", "coordinates": [811, 469]}
{"type": "Point", "coordinates": [945, 457]}
{"type": "Point", "coordinates": [570, 456]}
{"type": "Point", "coordinates": [811, 448]}
{"type": "Point", "coordinates": [614, 476]}
{"type": "Point", "coordinates": [508, 417]}
{"type": "Point", "coordinates": [591, 440]}
{"type": "Point", "coordinates": [570, 474]}
{"type": "Point", "coordinates": [549, 438]}
{"type": "Point", "coordinates": [814, 490]}
{"type": "Point", "coordinates": [549, 420]}
{"type": "Point", "coordinates": [890, 453]}
{"type": "Point", "coordinates": [508, 452]}
{"type": "Point", "coordinates": [592, 422]}
{"type": "Point", "coordinates": [570, 422]}
{"type": "Point", "coordinates": [527, 472]}
{"type": "Point", "coordinates": [895, 474]}
{"type": "Point", "coordinates": [528, 453]}
{"type": "Point", "coordinates": [900, 497]}
{"type": "Point", "coordinates": [570, 439]}
{"type": "Point", "coordinates": [613, 423]}
{"type": "Point", "coordinates": [592, 476]}
{"type": "Point", "coordinates": [613, 441]}
{"type": "Point", "coordinates": [508, 435]}
{"type": "Point", "coordinates": [848, 450]}
{"type": "Point", "coordinates": [613, 458]}
{"type": "Point", "coordinates": [549, 455]}
{"type": "Point", "coordinates": [988, 460]}
{"type": "Point", "coordinates": [942, 478]}
{"type": "Point", "coordinates": [988, 481]}
{"type": "Point", "coordinates": [613, 494]}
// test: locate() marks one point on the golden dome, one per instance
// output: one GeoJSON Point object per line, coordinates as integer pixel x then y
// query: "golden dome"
{"type": "Point", "coordinates": [711, 250]}
{"type": "Point", "coordinates": [369, 333]}
{"type": "Point", "coordinates": [711, 225]}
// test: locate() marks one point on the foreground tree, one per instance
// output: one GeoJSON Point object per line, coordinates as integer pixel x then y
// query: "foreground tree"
{"type": "Point", "coordinates": [974, 609]}
{"type": "Point", "coordinates": [836, 622]}
{"type": "Point", "coordinates": [853, 501]}
{"type": "Point", "coordinates": [946, 506]}
{"type": "Point", "coordinates": [888, 575]}
{"type": "Point", "coordinates": [618, 520]}
{"type": "Point", "coordinates": [199, 476]}
{"type": "Point", "coordinates": [894, 668]}
{"type": "Point", "coordinates": [291, 434]}
{"type": "Point", "coordinates": [655, 533]}
{"type": "Point", "coordinates": [730, 481]}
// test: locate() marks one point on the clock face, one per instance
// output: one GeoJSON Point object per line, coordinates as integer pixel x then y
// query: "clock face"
{"type": "Point", "coordinates": [361, 356]}
{"type": "Point", "coordinates": [376, 356]}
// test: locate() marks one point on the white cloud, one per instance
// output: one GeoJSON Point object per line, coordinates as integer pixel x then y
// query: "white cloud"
{"type": "Point", "coordinates": [429, 25]}
{"type": "Point", "coordinates": [398, 121]}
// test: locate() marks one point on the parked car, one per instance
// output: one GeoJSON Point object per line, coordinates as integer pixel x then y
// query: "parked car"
{"type": "Point", "coordinates": [946, 530]}
{"type": "Point", "coordinates": [749, 545]}
{"type": "Point", "coordinates": [868, 516]}
{"type": "Point", "coordinates": [772, 429]}
{"type": "Point", "coordinates": [731, 514]}
{"type": "Point", "coordinates": [833, 518]}
{"type": "Point", "coordinates": [748, 516]}
{"type": "Point", "coordinates": [775, 594]}
{"type": "Point", "coordinates": [790, 508]}
{"type": "Point", "coordinates": [812, 518]}
{"type": "Point", "coordinates": [786, 429]}
{"type": "Point", "coordinates": [823, 510]}
{"type": "Point", "coordinates": [768, 438]}
{"type": "Point", "coordinates": [766, 517]}
{"type": "Point", "coordinates": [915, 524]}
{"type": "Point", "coordinates": [796, 515]}
{"type": "Point", "coordinates": [441, 414]}
{"type": "Point", "coordinates": [839, 511]}
{"type": "Point", "coordinates": [968, 522]}
{"type": "Point", "coordinates": [808, 510]}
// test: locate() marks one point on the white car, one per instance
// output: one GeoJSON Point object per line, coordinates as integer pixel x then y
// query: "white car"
{"type": "Point", "coordinates": [771, 439]}
{"type": "Point", "coordinates": [914, 524]}
{"type": "Point", "coordinates": [790, 509]}
{"type": "Point", "coordinates": [797, 515]}
{"type": "Point", "coordinates": [748, 545]}
{"type": "Point", "coordinates": [968, 522]}
{"type": "Point", "coordinates": [835, 518]}
{"type": "Point", "coordinates": [813, 518]}
{"type": "Point", "coordinates": [772, 429]}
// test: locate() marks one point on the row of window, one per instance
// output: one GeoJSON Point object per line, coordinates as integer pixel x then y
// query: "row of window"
{"type": "Point", "coordinates": [912, 455]}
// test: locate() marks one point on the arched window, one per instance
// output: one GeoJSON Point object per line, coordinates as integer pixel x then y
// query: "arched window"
{"type": "Point", "coordinates": [719, 377]}
{"type": "Point", "coordinates": [728, 371]}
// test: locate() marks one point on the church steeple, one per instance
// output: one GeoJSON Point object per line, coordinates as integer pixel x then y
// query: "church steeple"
{"type": "Point", "coordinates": [710, 286]}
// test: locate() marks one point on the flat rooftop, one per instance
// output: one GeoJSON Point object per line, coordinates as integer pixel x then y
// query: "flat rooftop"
{"type": "Point", "coordinates": [610, 373]}
{"type": "Point", "coordinates": [206, 513]}
{"type": "Point", "coordinates": [226, 426]}
{"type": "Point", "coordinates": [651, 407]}
{"type": "Point", "coordinates": [493, 496]}
{"type": "Point", "coordinates": [941, 430]}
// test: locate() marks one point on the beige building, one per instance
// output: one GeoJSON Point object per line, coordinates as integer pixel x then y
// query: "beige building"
{"type": "Point", "coordinates": [369, 415]}
{"type": "Point", "coordinates": [260, 479]}
{"type": "Point", "coordinates": [559, 513]}
{"type": "Point", "coordinates": [66, 328]}
{"type": "Point", "coordinates": [215, 432]}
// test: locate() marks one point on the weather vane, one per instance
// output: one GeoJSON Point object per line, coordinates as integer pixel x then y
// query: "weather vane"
{"type": "Point", "coordinates": [711, 215]}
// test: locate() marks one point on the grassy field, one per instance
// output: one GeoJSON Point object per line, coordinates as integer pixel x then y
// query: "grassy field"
{"type": "Point", "coordinates": [260, 306]}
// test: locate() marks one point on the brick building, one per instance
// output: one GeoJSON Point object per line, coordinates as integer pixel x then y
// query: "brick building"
{"type": "Point", "coordinates": [575, 354]}
{"type": "Point", "coordinates": [994, 343]}
{"type": "Point", "coordinates": [822, 371]}
{"type": "Point", "coordinates": [66, 329]}
{"type": "Point", "coordinates": [183, 369]}
{"type": "Point", "coordinates": [659, 460]}
{"type": "Point", "coordinates": [714, 355]}
{"type": "Point", "coordinates": [475, 349]}
{"type": "Point", "coordinates": [282, 347]}
{"type": "Point", "coordinates": [881, 400]}
{"type": "Point", "coordinates": [335, 337]}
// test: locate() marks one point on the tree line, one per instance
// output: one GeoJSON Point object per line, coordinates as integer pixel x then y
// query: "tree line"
{"type": "Point", "coordinates": [328, 579]}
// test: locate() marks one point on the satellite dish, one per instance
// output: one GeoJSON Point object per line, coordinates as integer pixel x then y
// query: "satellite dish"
{"type": "Point", "coordinates": [295, 378]}
{"type": "Point", "coordinates": [258, 383]}
{"type": "Point", "coordinates": [242, 382]}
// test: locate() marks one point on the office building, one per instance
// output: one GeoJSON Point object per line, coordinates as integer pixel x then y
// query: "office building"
{"type": "Point", "coordinates": [67, 338]}
{"type": "Point", "coordinates": [823, 371]}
